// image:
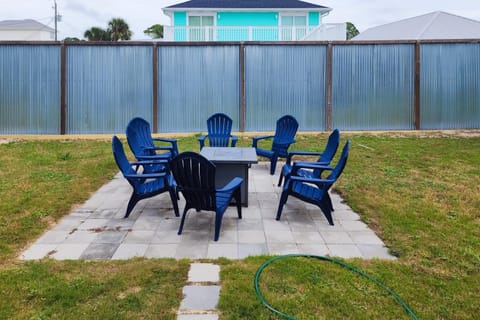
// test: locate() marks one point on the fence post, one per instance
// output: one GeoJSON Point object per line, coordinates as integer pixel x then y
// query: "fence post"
{"type": "Point", "coordinates": [416, 89]}
{"type": "Point", "coordinates": [242, 86]}
{"type": "Point", "coordinates": [155, 87]}
{"type": "Point", "coordinates": [63, 89]}
{"type": "Point", "coordinates": [328, 87]}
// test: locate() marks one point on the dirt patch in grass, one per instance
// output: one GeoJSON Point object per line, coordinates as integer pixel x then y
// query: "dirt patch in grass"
{"type": "Point", "coordinates": [419, 133]}
{"type": "Point", "coordinates": [124, 294]}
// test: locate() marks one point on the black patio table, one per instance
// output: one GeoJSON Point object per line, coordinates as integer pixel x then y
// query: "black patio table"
{"type": "Point", "coordinates": [231, 162]}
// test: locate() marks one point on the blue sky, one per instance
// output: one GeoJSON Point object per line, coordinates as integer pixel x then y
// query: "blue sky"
{"type": "Point", "coordinates": [80, 15]}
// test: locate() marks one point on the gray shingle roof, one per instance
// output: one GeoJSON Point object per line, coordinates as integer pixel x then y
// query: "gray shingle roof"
{"type": "Point", "coordinates": [246, 4]}
{"type": "Point", "coordinates": [27, 24]}
{"type": "Point", "coordinates": [431, 26]}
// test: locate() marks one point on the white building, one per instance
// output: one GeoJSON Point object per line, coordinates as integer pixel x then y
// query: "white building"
{"type": "Point", "coordinates": [25, 30]}
{"type": "Point", "coordinates": [250, 20]}
{"type": "Point", "coordinates": [432, 26]}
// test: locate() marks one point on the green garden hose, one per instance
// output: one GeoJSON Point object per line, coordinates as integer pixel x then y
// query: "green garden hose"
{"type": "Point", "coordinates": [338, 262]}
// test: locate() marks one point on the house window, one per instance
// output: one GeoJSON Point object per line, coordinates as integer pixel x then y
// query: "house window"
{"type": "Point", "coordinates": [293, 27]}
{"type": "Point", "coordinates": [200, 28]}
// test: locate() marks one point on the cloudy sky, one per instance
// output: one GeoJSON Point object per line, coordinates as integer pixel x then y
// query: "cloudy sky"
{"type": "Point", "coordinates": [80, 15]}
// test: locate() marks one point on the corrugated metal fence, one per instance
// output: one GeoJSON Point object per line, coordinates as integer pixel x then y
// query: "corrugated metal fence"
{"type": "Point", "coordinates": [29, 89]}
{"type": "Point", "coordinates": [82, 87]}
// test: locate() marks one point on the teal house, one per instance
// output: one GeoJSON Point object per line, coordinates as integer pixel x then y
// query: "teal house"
{"type": "Point", "coordinates": [250, 20]}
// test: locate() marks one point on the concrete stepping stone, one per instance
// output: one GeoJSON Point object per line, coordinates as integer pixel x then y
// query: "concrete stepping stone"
{"type": "Point", "coordinates": [200, 298]}
{"type": "Point", "coordinates": [201, 294]}
{"type": "Point", "coordinates": [204, 272]}
{"type": "Point", "coordinates": [197, 317]}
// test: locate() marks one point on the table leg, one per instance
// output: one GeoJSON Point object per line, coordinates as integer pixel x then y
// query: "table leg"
{"type": "Point", "coordinates": [226, 172]}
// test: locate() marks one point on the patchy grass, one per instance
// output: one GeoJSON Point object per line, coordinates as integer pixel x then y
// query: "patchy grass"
{"type": "Point", "coordinates": [133, 289]}
{"type": "Point", "coordinates": [420, 194]}
{"type": "Point", "coordinates": [41, 181]}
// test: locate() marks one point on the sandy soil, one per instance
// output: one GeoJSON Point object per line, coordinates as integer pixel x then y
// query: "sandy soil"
{"type": "Point", "coordinates": [420, 133]}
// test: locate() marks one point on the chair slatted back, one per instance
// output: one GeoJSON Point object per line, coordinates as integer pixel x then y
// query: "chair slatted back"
{"type": "Point", "coordinates": [139, 137]}
{"type": "Point", "coordinates": [337, 171]}
{"type": "Point", "coordinates": [219, 130]}
{"type": "Point", "coordinates": [195, 177]}
{"type": "Point", "coordinates": [330, 150]}
{"type": "Point", "coordinates": [285, 132]}
{"type": "Point", "coordinates": [122, 161]}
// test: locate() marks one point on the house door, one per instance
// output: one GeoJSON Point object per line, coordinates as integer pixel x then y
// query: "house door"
{"type": "Point", "coordinates": [293, 27]}
{"type": "Point", "coordinates": [200, 28]}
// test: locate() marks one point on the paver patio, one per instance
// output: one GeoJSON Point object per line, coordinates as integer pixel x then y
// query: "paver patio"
{"type": "Point", "coordinates": [98, 231]}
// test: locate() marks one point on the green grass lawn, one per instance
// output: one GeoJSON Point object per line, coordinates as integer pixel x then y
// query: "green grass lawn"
{"type": "Point", "coordinates": [420, 194]}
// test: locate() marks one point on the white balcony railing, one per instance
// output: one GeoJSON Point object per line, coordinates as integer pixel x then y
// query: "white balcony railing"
{"type": "Point", "coordinates": [334, 31]}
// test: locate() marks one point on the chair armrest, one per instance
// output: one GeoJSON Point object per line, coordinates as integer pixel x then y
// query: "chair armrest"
{"type": "Point", "coordinates": [234, 140]}
{"type": "Point", "coordinates": [152, 158]}
{"type": "Point", "coordinates": [174, 146]}
{"type": "Point", "coordinates": [312, 180]}
{"type": "Point", "coordinates": [285, 142]}
{"type": "Point", "coordinates": [201, 139]}
{"type": "Point", "coordinates": [148, 162]}
{"type": "Point", "coordinates": [159, 148]}
{"type": "Point", "coordinates": [159, 162]}
{"type": "Point", "coordinates": [311, 165]}
{"type": "Point", "coordinates": [146, 175]}
{"type": "Point", "coordinates": [172, 141]}
{"type": "Point", "coordinates": [232, 185]}
{"type": "Point", "coordinates": [301, 153]}
{"type": "Point", "coordinates": [256, 139]}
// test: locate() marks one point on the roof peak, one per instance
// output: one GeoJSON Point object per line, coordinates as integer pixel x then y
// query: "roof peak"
{"type": "Point", "coordinates": [23, 24]}
{"type": "Point", "coordinates": [433, 14]}
{"type": "Point", "coordinates": [432, 25]}
{"type": "Point", "coordinates": [246, 4]}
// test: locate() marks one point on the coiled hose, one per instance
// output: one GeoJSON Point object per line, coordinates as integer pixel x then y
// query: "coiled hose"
{"type": "Point", "coordinates": [338, 262]}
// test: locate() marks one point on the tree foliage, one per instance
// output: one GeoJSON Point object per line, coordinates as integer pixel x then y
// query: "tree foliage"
{"type": "Point", "coordinates": [352, 31]}
{"type": "Point", "coordinates": [96, 34]}
{"type": "Point", "coordinates": [155, 31]}
{"type": "Point", "coordinates": [117, 29]}
{"type": "Point", "coordinates": [71, 39]}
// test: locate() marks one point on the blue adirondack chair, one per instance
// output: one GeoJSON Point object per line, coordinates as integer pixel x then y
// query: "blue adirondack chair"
{"type": "Point", "coordinates": [142, 144]}
{"type": "Point", "coordinates": [314, 190]}
{"type": "Point", "coordinates": [324, 158]}
{"type": "Point", "coordinates": [195, 177]}
{"type": "Point", "coordinates": [145, 185]}
{"type": "Point", "coordinates": [285, 131]}
{"type": "Point", "coordinates": [219, 132]}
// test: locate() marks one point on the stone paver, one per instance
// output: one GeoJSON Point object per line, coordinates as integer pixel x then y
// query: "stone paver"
{"type": "Point", "coordinates": [98, 231]}
{"type": "Point", "coordinates": [67, 251]}
{"type": "Point", "coordinates": [200, 298]}
{"type": "Point", "coordinates": [38, 251]}
{"type": "Point", "coordinates": [197, 317]}
{"type": "Point", "coordinates": [161, 250]}
{"type": "Point", "coordinates": [251, 249]}
{"type": "Point", "coordinates": [99, 251]}
{"type": "Point", "coordinates": [204, 272]}
{"type": "Point", "coordinates": [130, 250]}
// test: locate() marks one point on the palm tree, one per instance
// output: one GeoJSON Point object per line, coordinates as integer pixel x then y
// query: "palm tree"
{"type": "Point", "coordinates": [155, 31]}
{"type": "Point", "coordinates": [96, 34]}
{"type": "Point", "coordinates": [352, 31]}
{"type": "Point", "coordinates": [119, 29]}
{"type": "Point", "coordinates": [71, 39]}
